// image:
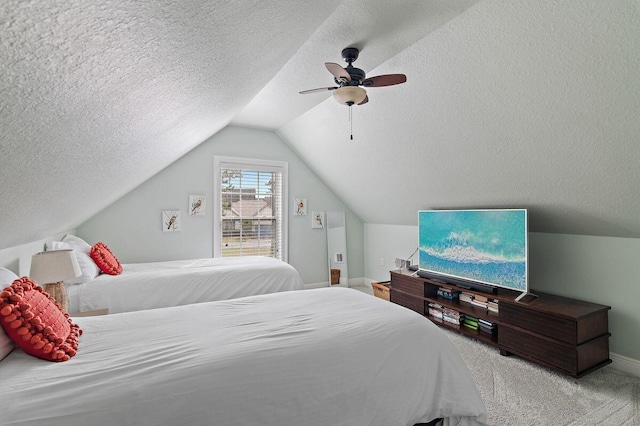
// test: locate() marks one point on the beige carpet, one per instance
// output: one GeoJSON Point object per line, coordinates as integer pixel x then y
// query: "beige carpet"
{"type": "Point", "coordinates": [517, 392]}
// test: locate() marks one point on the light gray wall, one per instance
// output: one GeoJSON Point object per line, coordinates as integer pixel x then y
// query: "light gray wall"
{"type": "Point", "coordinates": [131, 227]}
{"type": "Point", "coordinates": [18, 258]}
{"type": "Point", "coordinates": [602, 270]}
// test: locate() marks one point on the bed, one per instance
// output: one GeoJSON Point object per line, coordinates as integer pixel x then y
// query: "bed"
{"type": "Point", "coordinates": [139, 286]}
{"type": "Point", "coordinates": [325, 357]}
{"type": "Point", "coordinates": [181, 282]}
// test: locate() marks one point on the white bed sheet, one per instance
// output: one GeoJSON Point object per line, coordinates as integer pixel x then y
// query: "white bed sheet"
{"type": "Point", "coordinates": [325, 357]}
{"type": "Point", "coordinates": [181, 282]}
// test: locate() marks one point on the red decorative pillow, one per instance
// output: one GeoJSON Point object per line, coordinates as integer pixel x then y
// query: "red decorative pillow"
{"type": "Point", "coordinates": [36, 323]}
{"type": "Point", "coordinates": [105, 260]}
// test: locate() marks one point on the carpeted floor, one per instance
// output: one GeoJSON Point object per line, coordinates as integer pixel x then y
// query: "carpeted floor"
{"type": "Point", "coordinates": [519, 393]}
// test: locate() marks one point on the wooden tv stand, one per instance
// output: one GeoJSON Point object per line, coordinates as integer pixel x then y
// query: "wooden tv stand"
{"type": "Point", "coordinates": [567, 335]}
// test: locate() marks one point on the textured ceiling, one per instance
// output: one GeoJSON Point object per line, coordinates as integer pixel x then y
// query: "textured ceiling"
{"type": "Point", "coordinates": [530, 104]}
{"type": "Point", "coordinates": [96, 97]}
{"type": "Point", "coordinates": [508, 104]}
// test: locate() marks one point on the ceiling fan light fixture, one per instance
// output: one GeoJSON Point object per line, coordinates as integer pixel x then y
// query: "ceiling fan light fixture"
{"type": "Point", "coordinates": [349, 95]}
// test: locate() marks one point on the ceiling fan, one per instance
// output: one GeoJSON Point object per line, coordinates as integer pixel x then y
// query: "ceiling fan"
{"type": "Point", "coordinates": [351, 80]}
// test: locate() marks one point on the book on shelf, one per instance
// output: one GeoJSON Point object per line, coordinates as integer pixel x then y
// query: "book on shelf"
{"type": "Point", "coordinates": [480, 298]}
{"type": "Point", "coordinates": [465, 297]}
{"type": "Point", "coordinates": [452, 316]}
{"type": "Point", "coordinates": [471, 322]}
{"type": "Point", "coordinates": [492, 305]}
{"type": "Point", "coordinates": [451, 312]}
{"type": "Point", "coordinates": [486, 326]}
{"type": "Point", "coordinates": [435, 310]}
{"type": "Point", "coordinates": [479, 304]}
{"type": "Point", "coordinates": [448, 293]}
{"type": "Point", "coordinates": [485, 322]}
{"type": "Point", "coordinates": [486, 329]}
{"type": "Point", "coordinates": [470, 325]}
{"type": "Point", "coordinates": [450, 320]}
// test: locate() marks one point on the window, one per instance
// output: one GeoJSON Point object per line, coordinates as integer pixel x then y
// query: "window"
{"type": "Point", "coordinates": [250, 208]}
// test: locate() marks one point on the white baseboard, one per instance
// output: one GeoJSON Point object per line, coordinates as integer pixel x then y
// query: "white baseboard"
{"type": "Point", "coordinates": [357, 282]}
{"type": "Point", "coordinates": [626, 364]}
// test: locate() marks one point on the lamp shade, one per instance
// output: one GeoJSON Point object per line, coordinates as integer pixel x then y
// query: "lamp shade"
{"type": "Point", "coordinates": [349, 95]}
{"type": "Point", "coordinates": [54, 266]}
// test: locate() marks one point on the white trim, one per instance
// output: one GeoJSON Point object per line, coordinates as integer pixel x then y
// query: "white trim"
{"type": "Point", "coordinates": [266, 165]}
{"type": "Point", "coordinates": [353, 282]}
{"type": "Point", "coordinates": [626, 364]}
{"type": "Point", "coordinates": [357, 282]}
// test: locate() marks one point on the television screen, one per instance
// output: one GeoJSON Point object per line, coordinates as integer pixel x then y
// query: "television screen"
{"type": "Point", "coordinates": [484, 246]}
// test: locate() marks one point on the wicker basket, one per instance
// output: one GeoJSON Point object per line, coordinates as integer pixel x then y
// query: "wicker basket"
{"type": "Point", "coordinates": [335, 276]}
{"type": "Point", "coordinates": [381, 290]}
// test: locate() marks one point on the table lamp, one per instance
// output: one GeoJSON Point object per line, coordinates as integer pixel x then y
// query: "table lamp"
{"type": "Point", "coordinates": [50, 268]}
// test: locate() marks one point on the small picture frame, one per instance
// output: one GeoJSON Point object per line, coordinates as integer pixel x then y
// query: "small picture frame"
{"type": "Point", "coordinates": [317, 220]}
{"type": "Point", "coordinates": [299, 206]}
{"type": "Point", "coordinates": [197, 205]}
{"type": "Point", "coordinates": [171, 221]}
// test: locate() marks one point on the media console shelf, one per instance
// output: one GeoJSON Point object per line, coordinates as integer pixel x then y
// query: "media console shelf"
{"type": "Point", "coordinates": [567, 335]}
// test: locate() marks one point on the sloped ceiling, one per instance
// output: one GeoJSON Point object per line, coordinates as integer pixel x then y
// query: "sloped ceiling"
{"type": "Point", "coordinates": [96, 97]}
{"type": "Point", "coordinates": [508, 104]}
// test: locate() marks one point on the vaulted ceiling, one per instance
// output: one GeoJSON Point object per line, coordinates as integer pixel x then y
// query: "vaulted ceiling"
{"type": "Point", "coordinates": [508, 104]}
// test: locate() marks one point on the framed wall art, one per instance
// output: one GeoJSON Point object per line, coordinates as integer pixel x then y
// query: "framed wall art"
{"type": "Point", "coordinates": [299, 206]}
{"type": "Point", "coordinates": [197, 205]}
{"type": "Point", "coordinates": [171, 221]}
{"type": "Point", "coordinates": [317, 220]}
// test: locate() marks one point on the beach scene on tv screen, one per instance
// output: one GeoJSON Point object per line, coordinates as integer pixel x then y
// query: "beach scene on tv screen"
{"type": "Point", "coordinates": [488, 246]}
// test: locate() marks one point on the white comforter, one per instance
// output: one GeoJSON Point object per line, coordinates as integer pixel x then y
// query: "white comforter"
{"type": "Point", "coordinates": [325, 357]}
{"type": "Point", "coordinates": [181, 282]}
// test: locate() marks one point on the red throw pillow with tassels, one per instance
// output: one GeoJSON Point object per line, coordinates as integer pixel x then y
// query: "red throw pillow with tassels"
{"type": "Point", "coordinates": [106, 261]}
{"type": "Point", "coordinates": [36, 323]}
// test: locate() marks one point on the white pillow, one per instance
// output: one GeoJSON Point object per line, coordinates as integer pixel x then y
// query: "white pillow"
{"type": "Point", "coordinates": [6, 277]}
{"type": "Point", "coordinates": [77, 243]}
{"type": "Point", "coordinates": [6, 344]}
{"type": "Point", "coordinates": [89, 268]}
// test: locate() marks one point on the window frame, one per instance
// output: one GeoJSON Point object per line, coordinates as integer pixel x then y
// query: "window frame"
{"type": "Point", "coordinates": [253, 164]}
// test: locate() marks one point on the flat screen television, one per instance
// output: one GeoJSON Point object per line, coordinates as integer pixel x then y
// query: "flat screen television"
{"type": "Point", "coordinates": [479, 249]}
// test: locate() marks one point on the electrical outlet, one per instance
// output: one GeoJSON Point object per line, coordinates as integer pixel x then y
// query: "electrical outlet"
{"type": "Point", "coordinates": [382, 261]}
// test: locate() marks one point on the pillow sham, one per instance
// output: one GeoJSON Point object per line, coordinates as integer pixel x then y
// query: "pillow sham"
{"type": "Point", "coordinates": [77, 243]}
{"type": "Point", "coordinates": [6, 344]}
{"type": "Point", "coordinates": [104, 258]}
{"type": "Point", "coordinates": [88, 267]}
{"type": "Point", "coordinates": [7, 276]}
{"type": "Point", "coordinates": [36, 323]}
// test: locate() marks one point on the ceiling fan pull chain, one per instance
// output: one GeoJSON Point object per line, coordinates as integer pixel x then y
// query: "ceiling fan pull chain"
{"type": "Point", "coordinates": [351, 122]}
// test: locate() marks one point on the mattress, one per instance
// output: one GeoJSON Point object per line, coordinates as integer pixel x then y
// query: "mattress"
{"type": "Point", "coordinates": [181, 282]}
{"type": "Point", "coordinates": [329, 356]}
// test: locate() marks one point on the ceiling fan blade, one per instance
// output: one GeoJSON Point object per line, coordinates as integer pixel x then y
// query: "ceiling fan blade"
{"type": "Point", "coordinates": [320, 89]}
{"type": "Point", "coordinates": [384, 80]}
{"type": "Point", "coordinates": [365, 100]}
{"type": "Point", "coordinates": [338, 72]}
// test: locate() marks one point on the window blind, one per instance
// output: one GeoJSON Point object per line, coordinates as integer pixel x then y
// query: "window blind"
{"type": "Point", "coordinates": [251, 213]}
